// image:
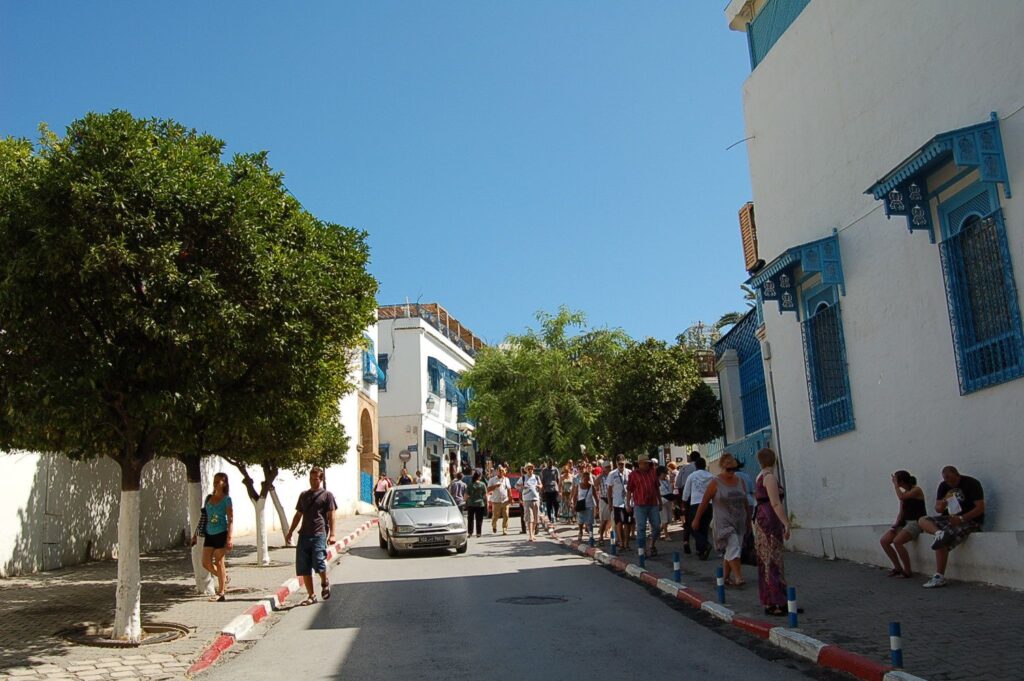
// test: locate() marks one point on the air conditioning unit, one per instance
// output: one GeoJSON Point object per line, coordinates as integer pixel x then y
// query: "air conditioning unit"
{"type": "Point", "coordinates": [748, 233]}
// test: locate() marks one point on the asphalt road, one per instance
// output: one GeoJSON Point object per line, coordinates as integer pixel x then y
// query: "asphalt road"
{"type": "Point", "coordinates": [442, 616]}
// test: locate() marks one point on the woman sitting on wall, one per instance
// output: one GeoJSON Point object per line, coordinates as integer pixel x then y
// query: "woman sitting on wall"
{"type": "Point", "coordinates": [905, 528]}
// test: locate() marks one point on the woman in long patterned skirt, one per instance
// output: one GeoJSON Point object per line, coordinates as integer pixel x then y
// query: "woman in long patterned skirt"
{"type": "Point", "coordinates": [772, 530]}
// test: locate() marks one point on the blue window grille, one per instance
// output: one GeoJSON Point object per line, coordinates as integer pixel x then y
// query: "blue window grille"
{"type": "Point", "coordinates": [753, 392]}
{"type": "Point", "coordinates": [828, 382]}
{"type": "Point", "coordinates": [769, 25]}
{"type": "Point", "coordinates": [980, 291]}
{"type": "Point", "coordinates": [382, 362]}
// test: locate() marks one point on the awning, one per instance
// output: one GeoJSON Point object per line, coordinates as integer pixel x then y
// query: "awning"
{"type": "Point", "coordinates": [778, 279]}
{"type": "Point", "coordinates": [904, 190]}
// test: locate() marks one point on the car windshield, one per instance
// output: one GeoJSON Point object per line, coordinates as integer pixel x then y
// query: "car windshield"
{"type": "Point", "coordinates": [418, 498]}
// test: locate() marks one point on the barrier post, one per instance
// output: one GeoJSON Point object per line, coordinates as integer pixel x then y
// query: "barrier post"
{"type": "Point", "coordinates": [791, 603]}
{"type": "Point", "coordinates": [640, 555]}
{"type": "Point", "coordinates": [720, 582]}
{"type": "Point", "coordinates": [677, 573]}
{"type": "Point", "coordinates": [896, 644]}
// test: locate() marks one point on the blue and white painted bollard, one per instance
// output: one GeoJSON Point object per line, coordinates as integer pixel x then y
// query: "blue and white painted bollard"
{"type": "Point", "coordinates": [592, 536]}
{"type": "Point", "coordinates": [720, 581]}
{"type": "Point", "coordinates": [791, 604]}
{"type": "Point", "coordinates": [677, 573]}
{"type": "Point", "coordinates": [896, 644]}
{"type": "Point", "coordinates": [640, 554]}
{"type": "Point", "coordinates": [614, 546]}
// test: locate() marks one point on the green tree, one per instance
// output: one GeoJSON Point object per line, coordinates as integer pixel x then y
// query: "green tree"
{"type": "Point", "coordinates": [700, 419]}
{"type": "Point", "coordinates": [653, 380]}
{"type": "Point", "coordinates": [540, 394]}
{"type": "Point", "coordinates": [141, 277]}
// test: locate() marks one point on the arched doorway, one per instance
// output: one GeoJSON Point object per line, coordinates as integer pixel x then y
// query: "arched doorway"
{"type": "Point", "coordinates": [368, 449]}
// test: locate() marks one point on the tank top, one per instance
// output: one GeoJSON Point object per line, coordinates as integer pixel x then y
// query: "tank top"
{"type": "Point", "coordinates": [912, 510]}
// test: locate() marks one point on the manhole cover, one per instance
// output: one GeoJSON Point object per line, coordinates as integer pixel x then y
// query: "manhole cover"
{"type": "Point", "coordinates": [534, 600]}
{"type": "Point", "coordinates": [91, 634]}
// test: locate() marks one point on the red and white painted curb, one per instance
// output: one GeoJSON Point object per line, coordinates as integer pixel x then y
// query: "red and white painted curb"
{"type": "Point", "coordinates": [240, 626]}
{"type": "Point", "coordinates": [791, 640]}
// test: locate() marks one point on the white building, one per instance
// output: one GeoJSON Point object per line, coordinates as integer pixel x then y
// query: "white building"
{"type": "Point", "coordinates": [424, 350]}
{"type": "Point", "coordinates": [55, 512]}
{"type": "Point", "coordinates": [890, 343]}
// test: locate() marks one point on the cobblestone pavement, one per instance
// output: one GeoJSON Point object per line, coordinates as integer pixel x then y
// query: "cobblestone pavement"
{"type": "Point", "coordinates": [961, 631]}
{"type": "Point", "coordinates": [35, 607]}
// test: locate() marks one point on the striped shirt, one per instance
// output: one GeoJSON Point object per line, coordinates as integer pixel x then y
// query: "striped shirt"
{"type": "Point", "coordinates": [643, 485]}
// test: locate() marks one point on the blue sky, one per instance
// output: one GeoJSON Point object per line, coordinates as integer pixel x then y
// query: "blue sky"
{"type": "Point", "coordinates": [504, 157]}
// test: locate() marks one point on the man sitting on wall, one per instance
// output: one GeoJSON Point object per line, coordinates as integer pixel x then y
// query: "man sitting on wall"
{"type": "Point", "coordinates": [960, 502]}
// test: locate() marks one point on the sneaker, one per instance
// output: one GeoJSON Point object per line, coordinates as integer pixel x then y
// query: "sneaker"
{"type": "Point", "coordinates": [940, 539]}
{"type": "Point", "coordinates": [935, 582]}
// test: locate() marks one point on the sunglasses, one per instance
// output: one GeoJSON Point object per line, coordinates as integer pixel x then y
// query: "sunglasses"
{"type": "Point", "coordinates": [732, 469]}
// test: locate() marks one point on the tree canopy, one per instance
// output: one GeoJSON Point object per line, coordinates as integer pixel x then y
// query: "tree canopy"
{"type": "Point", "coordinates": [539, 394]}
{"type": "Point", "coordinates": [546, 392]}
{"type": "Point", "coordinates": [155, 299]}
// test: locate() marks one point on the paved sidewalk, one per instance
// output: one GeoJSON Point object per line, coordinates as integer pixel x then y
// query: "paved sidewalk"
{"type": "Point", "coordinates": [962, 631]}
{"type": "Point", "coordinates": [33, 608]}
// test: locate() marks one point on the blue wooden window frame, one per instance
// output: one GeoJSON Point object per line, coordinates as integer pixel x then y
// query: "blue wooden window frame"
{"type": "Point", "coordinates": [382, 363]}
{"type": "Point", "coordinates": [828, 377]}
{"type": "Point", "coordinates": [768, 26]}
{"type": "Point", "coordinates": [434, 371]}
{"type": "Point", "coordinates": [981, 291]}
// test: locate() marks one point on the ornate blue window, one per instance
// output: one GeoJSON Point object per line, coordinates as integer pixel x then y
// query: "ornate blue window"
{"type": "Point", "coordinates": [828, 382]}
{"type": "Point", "coordinates": [980, 290]}
{"type": "Point", "coordinates": [808, 280]}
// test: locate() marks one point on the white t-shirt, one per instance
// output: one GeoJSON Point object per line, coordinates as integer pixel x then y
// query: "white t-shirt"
{"type": "Point", "coordinates": [696, 484]}
{"type": "Point", "coordinates": [500, 494]}
{"type": "Point", "coordinates": [530, 484]}
{"type": "Point", "coordinates": [617, 486]}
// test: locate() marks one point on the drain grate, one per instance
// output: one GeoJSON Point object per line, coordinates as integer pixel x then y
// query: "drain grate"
{"type": "Point", "coordinates": [534, 600]}
{"type": "Point", "coordinates": [90, 634]}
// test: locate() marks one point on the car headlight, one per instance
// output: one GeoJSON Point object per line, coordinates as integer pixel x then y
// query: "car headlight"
{"type": "Point", "coordinates": [455, 526]}
{"type": "Point", "coordinates": [404, 529]}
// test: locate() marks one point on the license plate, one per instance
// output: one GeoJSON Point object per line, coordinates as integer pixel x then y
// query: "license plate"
{"type": "Point", "coordinates": [432, 540]}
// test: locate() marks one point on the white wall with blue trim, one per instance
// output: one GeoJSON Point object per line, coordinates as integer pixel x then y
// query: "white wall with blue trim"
{"type": "Point", "coordinates": [844, 96]}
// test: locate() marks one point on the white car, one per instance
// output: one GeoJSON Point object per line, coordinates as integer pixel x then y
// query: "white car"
{"type": "Point", "coordinates": [415, 517]}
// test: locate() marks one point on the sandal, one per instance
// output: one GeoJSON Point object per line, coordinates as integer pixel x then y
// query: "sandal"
{"type": "Point", "coordinates": [310, 600]}
{"type": "Point", "coordinates": [775, 611]}
{"type": "Point", "coordinates": [219, 598]}
{"type": "Point", "coordinates": [896, 572]}
{"type": "Point", "coordinates": [325, 591]}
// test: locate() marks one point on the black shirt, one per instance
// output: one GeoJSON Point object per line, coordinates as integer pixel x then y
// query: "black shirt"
{"type": "Point", "coordinates": [968, 491]}
{"type": "Point", "coordinates": [316, 507]}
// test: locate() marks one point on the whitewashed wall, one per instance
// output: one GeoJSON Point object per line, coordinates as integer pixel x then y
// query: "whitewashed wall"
{"type": "Point", "coordinates": [55, 512]}
{"type": "Point", "coordinates": [848, 92]}
{"type": "Point", "coordinates": [409, 343]}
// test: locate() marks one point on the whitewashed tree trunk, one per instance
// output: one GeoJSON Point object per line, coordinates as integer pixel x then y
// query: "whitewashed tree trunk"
{"type": "Point", "coordinates": [282, 517]}
{"type": "Point", "coordinates": [262, 550]}
{"type": "Point", "coordinates": [204, 580]}
{"type": "Point", "coordinates": [128, 615]}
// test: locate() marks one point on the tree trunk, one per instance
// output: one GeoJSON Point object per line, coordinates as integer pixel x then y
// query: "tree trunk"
{"type": "Point", "coordinates": [194, 476]}
{"type": "Point", "coordinates": [282, 517]}
{"type": "Point", "coordinates": [128, 613]}
{"type": "Point", "coordinates": [262, 551]}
